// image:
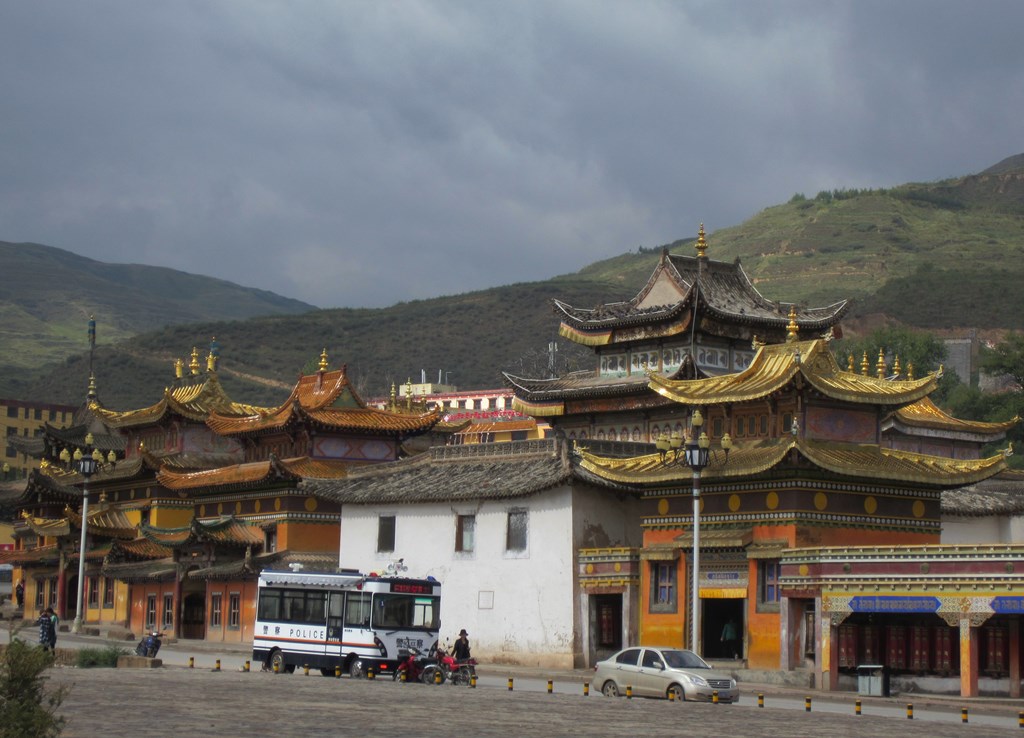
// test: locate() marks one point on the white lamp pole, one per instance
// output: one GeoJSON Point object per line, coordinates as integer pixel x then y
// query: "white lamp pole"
{"type": "Point", "coordinates": [86, 463]}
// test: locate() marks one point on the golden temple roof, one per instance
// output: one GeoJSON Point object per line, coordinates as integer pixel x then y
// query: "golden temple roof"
{"type": "Point", "coordinates": [253, 472]}
{"type": "Point", "coordinates": [926, 414]}
{"type": "Point", "coordinates": [108, 522]}
{"type": "Point", "coordinates": [865, 461]}
{"type": "Point", "coordinates": [226, 530]}
{"type": "Point", "coordinates": [326, 399]}
{"type": "Point", "coordinates": [776, 365]}
{"type": "Point", "coordinates": [194, 400]}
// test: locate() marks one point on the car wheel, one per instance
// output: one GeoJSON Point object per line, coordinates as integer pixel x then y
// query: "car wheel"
{"type": "Point", "coordinates": [675, 692]}
{"type": "Point", "coordinates": [610, 689]}
{"type": "Point", "coordinates": [277, 663]}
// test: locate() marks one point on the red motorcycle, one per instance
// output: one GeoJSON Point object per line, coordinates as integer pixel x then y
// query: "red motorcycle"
{"type": "Point", "coordinates": [418, 667]}
{"type": "Point", "coordinates": [458, 672]}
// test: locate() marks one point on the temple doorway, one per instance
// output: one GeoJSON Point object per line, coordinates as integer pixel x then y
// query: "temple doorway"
{"type": "Point", "coordinates": [193, 616]}
{"type": "Point", "coordinates": [715, 614]}
{"type": "Point", "coordinates": [605, 625]}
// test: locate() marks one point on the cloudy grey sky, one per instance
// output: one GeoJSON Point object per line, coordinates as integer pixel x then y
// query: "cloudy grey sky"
{"type": "Point", "coordinates": [364, 153]}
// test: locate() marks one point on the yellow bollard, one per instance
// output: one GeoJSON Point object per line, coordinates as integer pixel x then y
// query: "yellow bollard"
{"type": "Point", "coordinates": [807, 704]}
{"type": "Point", "coordinates": [551, 686]}
{"type": "Point", "coordinates": [856, 707]}
{"type": "Point", "coordinates": [963, 714]}
{"type": "Point", "coordinates": [403, 675]}
{"type": "Point", "coordinates": [191, 662]}
{"type": "Point", "coordinates": [337, 671]}
{"type": "Point", "coordinates": [910, 711]}
{"type": "Point", "coordinates": [671, 695]}
{"type": "Point", "coordinates": [510, 684]}
{"type": "Point", "coordinates": [586, 689]}
{"type": "Point", "coordinates": [1020, 719]}
{"type": "Point", "coordinates": [472, 681]}
{"type": "Point", "coordinates": [276, 667]}
{"type": "Point", "coordinates": [247, 666]}
{"type": "Point", "coordinates": [438, 677]}
{"type": "Point", "coordinates": [629, 691]}
{"type": "Point", "coordinates": [369, 672]}
{"type": "Point", "coordinates": [217, 667]}
{"type": "Point", "coordinates": [305, 669]}
{"type": "Point", "coordinates": [760, 699]}
{"type": "Point", "coordinates": [714, 697]}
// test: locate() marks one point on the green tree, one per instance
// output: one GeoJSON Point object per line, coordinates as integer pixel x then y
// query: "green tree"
{"type": "Point", "coordinates": [27, 707]}
{"type": "Point", "coordinates": [1007, 357]}
{"type": "Point", "coordinates": [919, 348]}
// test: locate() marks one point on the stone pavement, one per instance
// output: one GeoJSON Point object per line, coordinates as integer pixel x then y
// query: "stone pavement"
{"type": "Point", "coordinates": [174, 701]}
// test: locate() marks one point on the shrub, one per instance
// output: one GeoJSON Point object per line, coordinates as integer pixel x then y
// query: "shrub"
{"type": "Point", "coordinates": [89, 658]}
{"type": "Point", "coordinates": [27, 708]}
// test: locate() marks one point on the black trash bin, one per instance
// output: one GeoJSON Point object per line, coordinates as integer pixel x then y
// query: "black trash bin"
{"type": "Point", "coordinates": [873, 680]}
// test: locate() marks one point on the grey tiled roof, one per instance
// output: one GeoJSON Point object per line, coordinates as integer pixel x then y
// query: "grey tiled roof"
{"type": "Point", "coordinates": [452, 473]}
{"type": "Point", "coordinates": [1000, 495]}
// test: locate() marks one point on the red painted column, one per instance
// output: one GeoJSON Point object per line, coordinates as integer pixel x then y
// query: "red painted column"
{"type": "Point", "coordinates": [177, 608]}
{"type": "Point", "coordinates": [62, 603]}
{"type": "Point", "coordinates": [968, 659]}
{"type": "Point", "coordinates": [1014, 674]}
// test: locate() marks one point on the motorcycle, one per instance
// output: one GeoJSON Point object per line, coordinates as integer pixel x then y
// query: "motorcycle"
{"type": "Point", "coordinates": [149, 645]}
{"type": "Point", "coordinates": [459, 672]}
{"type": "Point", "coordinates": [417, 666]}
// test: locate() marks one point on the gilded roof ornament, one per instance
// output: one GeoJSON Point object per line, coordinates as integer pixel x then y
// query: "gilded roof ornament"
{"type": "Point", "coordinates": [849, 364]}
{"type": "Point", "coordinates": [880, 364]}
{"type": "Point", "coordinates": [701, 244]}
{"type": "Point", "coordinates": [92, 387]}
{"type": "Point", "coordinates": [193, 365]}
{"type": "Point", "coordinates": [896, 366]}
{"type": "Point", "coordinates": [910, 370]}
{"type": "Point", "coordinates": [211, 362]}
{"type": "Point", "coordinates": [792, 329]}
{"type": "Point", "coordinates": [864, 364]}
{"type": "Point", "coordinates": [179, 368]}
{"type": "Point", "coordinates": [756, 343]}
{"type": "Point", "coordinates": [323, 360]}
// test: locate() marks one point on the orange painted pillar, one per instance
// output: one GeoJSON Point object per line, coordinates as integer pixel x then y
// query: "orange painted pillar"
{"type": "Point", "coordinates": [1014, 670]}
{"type": "Point", "coordinates": [829, 654]}
{"type": "Point", "coordinates": [968, 659]}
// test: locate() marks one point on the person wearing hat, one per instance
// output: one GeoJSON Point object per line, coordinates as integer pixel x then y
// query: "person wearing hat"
{"type": "Point", "coordinates": [461, 648]}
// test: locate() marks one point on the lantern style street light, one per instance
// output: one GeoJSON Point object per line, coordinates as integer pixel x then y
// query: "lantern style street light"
{"type": "Point", "coordinates": [86, 462]}
{"type": "Point", "coordinates": [696, 455]}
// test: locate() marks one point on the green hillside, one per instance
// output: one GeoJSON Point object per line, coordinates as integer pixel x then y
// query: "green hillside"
{"type": "Point", "coordinates": [934, 255]}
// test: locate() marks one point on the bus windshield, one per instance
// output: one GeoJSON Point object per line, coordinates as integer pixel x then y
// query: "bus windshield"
{"type": "Point", "coordinates": [406, 611]}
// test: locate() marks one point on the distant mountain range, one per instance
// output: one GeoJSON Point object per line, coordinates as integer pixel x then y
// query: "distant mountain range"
{"type": "Point", "coordinates": [943, 256]}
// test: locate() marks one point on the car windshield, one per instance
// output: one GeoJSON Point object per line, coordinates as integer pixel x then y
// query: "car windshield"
{"type": "Point", "coordinates": [684, 660]}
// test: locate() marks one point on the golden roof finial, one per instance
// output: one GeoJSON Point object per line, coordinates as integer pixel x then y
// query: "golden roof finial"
{"type": "Point", "coordinates": [792, 329]}
{"type": "Point", "coordinates": [408, 394]}
{"type": "Point", "coordinates": [92, 387]}
{"type": "Point", "coordinates": [394, 396]}
{"type": "Point", "coordinates": [910, 370]}
{"type": "Point", "coordinates": [849, 364]}
{"type": "Point", "coordinates": [896, 366]}
{"type": "Point", "coordinates": [323, 360]}
{"type": "Point", "coordinates": [880, 364]}
{"type": "Point", "coordinates": [211, 362]}
{"type": "Point", "coordinates": [193, 365]}
{"type": "Point", "coordinates": [179, 368]}
{"type": "Point", "coordinates": [864, 365]}
{"type": "Point", "coordinates": [701, 244]}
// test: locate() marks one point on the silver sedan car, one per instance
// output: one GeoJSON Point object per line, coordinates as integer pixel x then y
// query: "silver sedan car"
{"type": "Point", "coordinates": [660, 672]}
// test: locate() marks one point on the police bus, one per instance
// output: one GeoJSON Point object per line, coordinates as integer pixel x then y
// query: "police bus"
{"type": "Point", "coordinates": [347, 619]}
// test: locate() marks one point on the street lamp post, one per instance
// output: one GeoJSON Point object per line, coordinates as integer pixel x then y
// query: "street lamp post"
{"type": "Point", "coordinates": [86, 463]}
{"type": "Point", "coordinates": [696, 455]}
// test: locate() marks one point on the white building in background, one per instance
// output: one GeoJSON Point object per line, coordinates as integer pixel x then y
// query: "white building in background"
{"type": "Point", "coordinates": [991, 512]}
{"type": "Point", "coordinates": [518, 536]}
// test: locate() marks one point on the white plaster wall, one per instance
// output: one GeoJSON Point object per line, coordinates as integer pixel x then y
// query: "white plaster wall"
{"type": "Point", "coordinates": [518, 608]}
{"type": "Point", "coordinates": [991, 529]}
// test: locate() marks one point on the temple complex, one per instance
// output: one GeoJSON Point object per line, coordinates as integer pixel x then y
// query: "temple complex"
{"type": "Point", "coordinates": [812, 468]}
{"type": "Point", "coordinates": [192, 497]}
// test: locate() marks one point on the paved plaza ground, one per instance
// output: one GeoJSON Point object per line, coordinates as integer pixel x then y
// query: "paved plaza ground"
{"type": "Point", "coordinates": [177, 701]}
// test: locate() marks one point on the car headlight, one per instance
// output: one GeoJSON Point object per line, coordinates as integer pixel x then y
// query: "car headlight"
{"type": "Point", "coordinates": [699, 681]}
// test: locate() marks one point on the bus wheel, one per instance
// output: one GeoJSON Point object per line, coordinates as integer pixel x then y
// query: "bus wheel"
{"type": "Point", "coordinates": [277, 663]}
{"type": "Point", "coordinates": [356, 670]}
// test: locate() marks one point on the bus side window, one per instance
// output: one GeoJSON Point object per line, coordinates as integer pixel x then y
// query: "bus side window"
{"type": "Point", "coordinates": [357, 610]}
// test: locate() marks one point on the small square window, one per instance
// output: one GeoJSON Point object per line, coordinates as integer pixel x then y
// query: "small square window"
{"type": "Point", "coordinates": [768, 595]}
{"type": "Point", "coordinates": [516, 534]}
{"type": "Point", "coordinates": [465, 533]}
{"type": "Point", "coordinates": [663, 586]}
{"type": "Point", "coordinates": [386, 534]}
